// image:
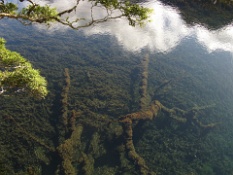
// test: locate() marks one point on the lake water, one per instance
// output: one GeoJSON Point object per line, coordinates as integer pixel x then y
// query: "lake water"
{"type": "Point", "coordinates": [114, 70]}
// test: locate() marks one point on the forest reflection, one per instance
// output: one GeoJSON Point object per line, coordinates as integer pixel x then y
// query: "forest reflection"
{"type": "Point", "coordinates": [165, 31]}
{"type": "Point", "coordinates": [93, 83]}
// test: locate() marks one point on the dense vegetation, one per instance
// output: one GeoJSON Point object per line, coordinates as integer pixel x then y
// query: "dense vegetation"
{"type": "Point", "coordinates": [77, 129]}
{"type": "Point", "coordinates": [95, 118]}
{"type": "Point", "coordinates": [17, 74]}
{"type": "Point", "coordinates": [205, 12]}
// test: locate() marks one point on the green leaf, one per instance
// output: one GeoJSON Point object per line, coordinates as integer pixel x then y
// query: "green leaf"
{"type": "Point", "coordinates": [17, 73]}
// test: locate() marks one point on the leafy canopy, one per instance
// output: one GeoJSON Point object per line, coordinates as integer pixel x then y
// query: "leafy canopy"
{"type": "Point", "coordinates": [17, 74]}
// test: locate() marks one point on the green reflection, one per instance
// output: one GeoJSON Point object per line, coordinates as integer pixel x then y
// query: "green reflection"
{"type": "Point", "coordinates": [209, 13]}
{"type": "Point", "coordinates": [92, 83]}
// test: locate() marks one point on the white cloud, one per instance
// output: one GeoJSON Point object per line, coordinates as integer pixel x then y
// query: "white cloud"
{"type": "Point", "coordinates": [221, 39]}
{"type": "Point", "coordinates": [163, 34]}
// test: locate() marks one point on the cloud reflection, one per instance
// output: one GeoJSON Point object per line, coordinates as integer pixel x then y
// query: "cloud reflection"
{"type": "Point", "coordinates": [163, 34]}
{"type": "Point", "coordinates": [216, 40]}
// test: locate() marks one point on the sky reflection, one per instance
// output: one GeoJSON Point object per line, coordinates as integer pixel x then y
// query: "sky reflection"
{"type": "Point", "coordinates": [163, 34]}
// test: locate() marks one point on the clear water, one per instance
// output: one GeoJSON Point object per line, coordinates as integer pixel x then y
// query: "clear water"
{"type": "Point", "coordinates": [190, 68]}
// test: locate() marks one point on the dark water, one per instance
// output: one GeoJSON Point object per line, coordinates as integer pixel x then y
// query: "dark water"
{"type": "Point", "coordinates": [189, 67]}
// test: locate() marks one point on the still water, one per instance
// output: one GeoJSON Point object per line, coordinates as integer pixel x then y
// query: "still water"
{"type": "Point", "coordinates": [114, 70]}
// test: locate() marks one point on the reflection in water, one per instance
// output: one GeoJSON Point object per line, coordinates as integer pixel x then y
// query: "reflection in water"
{"type": "Point", "coordinates": [162, 34]}
{"type": "Point", "coordinates": [214, 40]}
{"type": "Point", "coordinates": [108, 83]}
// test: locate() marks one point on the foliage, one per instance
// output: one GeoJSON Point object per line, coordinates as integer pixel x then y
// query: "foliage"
{"type": "Point", "coordinates": [135, 13]}
{"type": "Point", "coordinates": [8, 8]}
{"type": "Point", "coordinates": [34, 12]}
{"type": "Point", "coordinates": [39, 13]}
{"type": "Point", "coordinates": [105, 84]}
{"type": "Point", "coordinates": [16, 73]}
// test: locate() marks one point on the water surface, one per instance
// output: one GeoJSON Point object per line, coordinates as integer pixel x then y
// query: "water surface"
{"type": "Point", "coordinates": [189, 67]}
